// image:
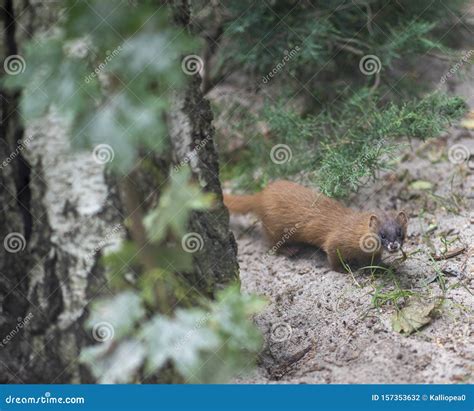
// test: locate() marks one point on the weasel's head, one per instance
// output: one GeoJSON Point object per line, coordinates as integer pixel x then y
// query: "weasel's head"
{"type": "Point", "coordinates": [391, 229]}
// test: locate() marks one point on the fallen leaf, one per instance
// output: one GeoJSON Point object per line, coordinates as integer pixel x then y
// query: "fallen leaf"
{"type": "Point", "coordinates": [468, 121]}
{"type": "Point", "coordinates": [421, 185]}
{"type": "Point", "coordinates": [413, 316]}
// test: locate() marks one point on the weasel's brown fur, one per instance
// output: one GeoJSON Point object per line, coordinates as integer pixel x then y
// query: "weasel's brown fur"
{"type": "Point", "coordinates": [298, 214]}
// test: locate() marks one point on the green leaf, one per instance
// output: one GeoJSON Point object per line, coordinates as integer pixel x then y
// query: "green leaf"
{"type": "Point", "coordinates": [421, 185]}
{"type": "Point", "coordinates": [232, 313]}
{"type": "Point", "coordinates": [181, 340]}
{"type": "Point", "coordinates": [114, 84]}
{"type": "Point", "coordinates": [413, 316]}
{"type": "Point", "coordinates": [118, 315]}
{"type": "Point", "coordinates": [119, 263]}
{"type": "Point", "coordinates": [177, 200]}
{"type": "Point", "coordinates": [114, 365]}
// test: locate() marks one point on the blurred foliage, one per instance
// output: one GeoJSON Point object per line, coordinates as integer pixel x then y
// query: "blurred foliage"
{"type": "Point", "coordinates": [206, 342]}
{"type": "Point", "coordinates": [109, 72]}
{"type": "Point", "coordinates": [205, 345]}
{"type": "Point", "coordinates": [365, 138]}
{"type": "Point", "coordinates": [188, 196]}
{"type": "Point", "coordinates": [331, 35]}
{"type": "Point", "coordinates": [343, 148]}
{"type": "Point", "coordinates": [345, 130]}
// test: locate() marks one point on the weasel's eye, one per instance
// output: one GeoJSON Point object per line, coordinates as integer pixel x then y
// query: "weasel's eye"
{"type": "Point", "coordinates": [382, 235]}
{"type": "Point", "coordinates": [399, 232]}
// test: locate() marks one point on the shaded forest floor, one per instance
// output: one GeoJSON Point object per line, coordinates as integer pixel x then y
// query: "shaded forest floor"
{"type": "Point", "coordinates": [326, 327]}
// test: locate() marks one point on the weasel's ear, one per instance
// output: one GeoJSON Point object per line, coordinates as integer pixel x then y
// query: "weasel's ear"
{"type": "Point", "coordinates": [402, 218]}
{"type": "Point", "coordinates": [373, 222]}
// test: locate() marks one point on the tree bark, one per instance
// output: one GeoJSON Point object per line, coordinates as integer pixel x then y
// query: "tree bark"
{"type": "Point", "coordinates": [61, 208]}
{"type": "Point", "coordinates": [192, 138]}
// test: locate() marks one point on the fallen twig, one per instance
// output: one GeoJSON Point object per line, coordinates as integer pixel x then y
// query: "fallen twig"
{"type": "Point", "coordinates": [283, 368]}
{"type": "Point", "coordinates": [448, 254]}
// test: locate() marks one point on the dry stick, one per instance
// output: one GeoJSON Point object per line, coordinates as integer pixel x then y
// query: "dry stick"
{"type": "Point", "coordinates": [283, 369]}
{"type": "Point", "coordinates": [449, 254]}
{"type": "Point", "coordinates": [349, 48]}
{"type": "Point", "coordinates": [353, 40]}
{"type": "Point", "coordinates": [343, 363]}
{"type": "Point", "coordinates": [444, 58]}
{"type": "Point", "coordinates": [468, 255]}
{"type": "Point", "coordinates": [369, 19]}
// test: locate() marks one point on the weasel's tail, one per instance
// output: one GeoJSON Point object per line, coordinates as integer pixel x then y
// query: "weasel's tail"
{"type": "Point", "coordinates": [242, 204]}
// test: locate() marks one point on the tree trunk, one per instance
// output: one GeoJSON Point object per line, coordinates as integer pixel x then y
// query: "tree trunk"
{"type": "Point", "coordinates": [59, 209]}
{"type": "Point", "coordinates": [192, 138]}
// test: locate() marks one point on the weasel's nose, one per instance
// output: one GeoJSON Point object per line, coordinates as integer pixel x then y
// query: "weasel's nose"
{"type": "Point", "coordinates": [395, 246]}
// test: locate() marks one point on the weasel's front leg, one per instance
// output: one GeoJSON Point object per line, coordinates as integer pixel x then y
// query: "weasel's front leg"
{"type": "Point", "coordinates": [334, 261]}
{"type": "Point", "coordinates": [290, 250]}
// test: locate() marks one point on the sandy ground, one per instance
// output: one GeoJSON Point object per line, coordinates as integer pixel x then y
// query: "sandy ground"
{"type": "Point", "coordinates": [321, 326]}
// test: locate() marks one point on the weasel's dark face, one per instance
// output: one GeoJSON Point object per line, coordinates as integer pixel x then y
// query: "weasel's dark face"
{"type": "Point", "coordinates": [391, 230]}
{"type": "Point", "coordinates": [392, 235]}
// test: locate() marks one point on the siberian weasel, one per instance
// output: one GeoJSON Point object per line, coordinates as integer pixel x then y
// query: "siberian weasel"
{"type": "Point", "coordinates": [301, 215]}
